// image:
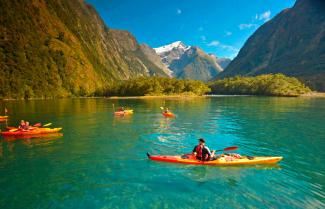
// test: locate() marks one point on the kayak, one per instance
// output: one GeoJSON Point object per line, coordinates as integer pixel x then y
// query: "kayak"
{"type": "Point", "coordinates": [3, 117]}
{"type": "Point", "coordinates": [222, 161]}
{"type": "Point", "coordinates": [48, 136]}
{"type": "Point", "coordinates": [35, 131]}
{"type": "Point", "coordinates": [124, 112]}
{"type": "Point", "coordinates": [168, 114]}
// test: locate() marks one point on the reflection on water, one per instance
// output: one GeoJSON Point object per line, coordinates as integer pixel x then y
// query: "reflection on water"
{"type": "Point", "coordinates": [100, 160]}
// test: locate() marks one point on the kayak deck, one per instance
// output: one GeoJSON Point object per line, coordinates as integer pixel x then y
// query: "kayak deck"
{"type": "Point", "coordinates": [222, 161]}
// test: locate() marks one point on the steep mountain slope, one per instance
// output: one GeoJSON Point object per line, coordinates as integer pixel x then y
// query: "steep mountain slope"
{"type": "Point", "coordinates": [292, 43]}
{"type": "Point", "coordinates": [223, 62]}
{"type": "Point", "coordinates": [61, 48]}
{"type": "Point", "coordinates": [188, 62]}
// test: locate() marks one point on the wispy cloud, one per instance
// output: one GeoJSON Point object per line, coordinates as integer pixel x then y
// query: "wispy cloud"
{"type": "Point", "coordinates": [246, 26]}
{"type": "Point", "coordinates": [265, 16]}
{"type": "Point", "coordinates": [228, 33]}
{"type": "Point", "coordinates": [216, 43]}
{"type": "Point", "coordinates": [178, 11]}
{"type": "Point", "coordinates": [213, 43]}
{"type": "Point", "coordinates": [203, 38]}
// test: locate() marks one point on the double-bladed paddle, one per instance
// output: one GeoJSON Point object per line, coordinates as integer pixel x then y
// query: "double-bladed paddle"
{"type": "Point", "coordinates": [227, 149]}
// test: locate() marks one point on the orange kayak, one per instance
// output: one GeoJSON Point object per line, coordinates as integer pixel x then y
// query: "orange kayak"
{"type": "Point", "coordinates": [222, 161]}
{"type": "Point", "coordinates": [168, 114]}
{"type": "Point", "coordinates": [35, 131]}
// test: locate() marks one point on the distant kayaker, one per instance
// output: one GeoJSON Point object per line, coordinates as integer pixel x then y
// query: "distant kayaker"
{"type": "Point", "coordinates": [27, 127]}
{"type": "Point", "coordinates": [202, 152]}
{"type": "Point", "coordinates": [166, 110]}
{"type": "Point", "coordinates": [22, 125]}
{"type": "Point", "coordinates": [121, 109]}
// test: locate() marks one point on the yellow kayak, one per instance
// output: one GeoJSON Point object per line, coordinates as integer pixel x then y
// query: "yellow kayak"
{"type": "Point", "coordinates": [128, 112]}
{"type": "Point", "coordinates": [3, 117]}
{"type": "Point", "coordinates": [34, 131]}
{"type": "Point", "coordinates": [222, 161]}
{"type": "Point", "coordinates": [123, 112]}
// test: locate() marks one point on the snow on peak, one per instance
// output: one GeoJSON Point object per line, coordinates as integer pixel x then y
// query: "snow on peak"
{"type": "Point", "coordinates": [169, 47]}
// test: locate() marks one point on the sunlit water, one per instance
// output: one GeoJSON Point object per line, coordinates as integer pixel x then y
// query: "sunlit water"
{"type": "Point", "coordinates": [100, 161]}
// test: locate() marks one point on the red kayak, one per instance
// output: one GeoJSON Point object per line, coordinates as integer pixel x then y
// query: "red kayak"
{"type": "Point", "coordinates": [168, 114]}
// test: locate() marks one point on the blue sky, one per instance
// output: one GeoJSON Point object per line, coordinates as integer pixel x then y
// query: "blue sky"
{"type": "Point", "coordinates": [217, 26]}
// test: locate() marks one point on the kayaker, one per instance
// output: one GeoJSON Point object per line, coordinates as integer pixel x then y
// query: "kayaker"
{"type": "Point", "coordinates": [121, 109]}
{"type": "Point", "coordinates": [166, 110]}
{"type": "Point", "coordinates": [27, 127]}
{"type": "Point", "coordinates": [202, 152]}
{"type": "Point", "coordinates": [22, 125]}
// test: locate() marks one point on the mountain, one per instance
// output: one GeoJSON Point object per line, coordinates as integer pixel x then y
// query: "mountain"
{"type": "Point", "coordinates": [171, 52]}
{"type": "Point", "coordinates": [223, 62]}
{"type": "Point", "coordinates": [188, 62]}
{"type": "Point", "coordinates": [292, 43]}
{"type": "Point", "coordinates": [58, 48]}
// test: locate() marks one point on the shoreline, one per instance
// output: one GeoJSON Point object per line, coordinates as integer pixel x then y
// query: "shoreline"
{"type": "Point", "coordinates": [314, 95]}
{"type": "Point", "coordinates": [308, 95]}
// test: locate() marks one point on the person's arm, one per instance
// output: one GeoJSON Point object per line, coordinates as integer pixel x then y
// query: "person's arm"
{"type": "Point", "coordinates": [194, 151]}
{"type": "Point", "coordinates": [209, 152]}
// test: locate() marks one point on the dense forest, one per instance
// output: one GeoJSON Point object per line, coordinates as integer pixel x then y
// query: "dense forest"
{"type": "Point", "coordinates": [270, 85]}
{"type": "Point", "coordinates": [147, 86]}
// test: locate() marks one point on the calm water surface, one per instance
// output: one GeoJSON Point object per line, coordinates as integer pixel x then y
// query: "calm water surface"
{"type": "Point", "coordinates": [100, 161]}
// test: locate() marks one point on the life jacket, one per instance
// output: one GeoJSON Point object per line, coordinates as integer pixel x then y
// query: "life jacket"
{"type": "Point", "coordinates": [200, 154]}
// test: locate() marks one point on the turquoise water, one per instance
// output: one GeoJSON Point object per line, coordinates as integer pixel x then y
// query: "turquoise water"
{"type": "Point", "coordinates": [100, 161]}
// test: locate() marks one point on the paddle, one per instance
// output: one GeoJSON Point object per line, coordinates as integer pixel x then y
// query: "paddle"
{"type": "Point", "coordinates": [37, 125]}
{"type": "Point", "coordinates": [227, 149]}
{"type": "Point", "coordinates": [48, 124]}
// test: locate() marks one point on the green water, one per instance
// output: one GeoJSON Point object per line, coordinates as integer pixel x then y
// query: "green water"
{"type": "Point", "coordinates": [100, 161]}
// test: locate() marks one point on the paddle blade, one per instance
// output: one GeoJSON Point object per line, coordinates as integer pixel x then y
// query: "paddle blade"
{"type": "Point", "coordinates": [162, 108]}
{"type": "Point", "coordinates": [13, 130]}
{"type": "Point", "coordinates": [37, 125]}
{"type": "Point", "coordinates": [48, 124]}
{"type": "Point", "coordinates": [230, 148]}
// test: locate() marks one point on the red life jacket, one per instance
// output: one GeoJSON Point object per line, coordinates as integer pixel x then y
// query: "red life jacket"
{"type": "Point", "coordinates": [199, 153]}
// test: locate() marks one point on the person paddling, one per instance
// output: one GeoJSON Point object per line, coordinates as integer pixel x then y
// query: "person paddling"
{"type": "Point", "coordinates": [22, 125]}
{"type": "Point", "coordinates": [166, 110]}
{"type": "Point", "coordinates": [202, 152]}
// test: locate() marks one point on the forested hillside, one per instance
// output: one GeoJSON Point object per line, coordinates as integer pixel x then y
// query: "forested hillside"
{"type": "Point", "coordinates": [58, 48]}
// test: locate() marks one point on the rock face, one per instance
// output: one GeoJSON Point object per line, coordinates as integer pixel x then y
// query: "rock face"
{"type": "Point", "coordinates": [62, 47]}
{"type": "Point", "coordinates": [188, 62]}
{"type": "Point", "coordinates": [292, 43]}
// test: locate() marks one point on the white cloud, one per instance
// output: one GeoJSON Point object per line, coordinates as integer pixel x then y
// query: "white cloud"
{"type": "Point", "coordinates": [246, 26]}
{"type": "Point", "coordinates": [216, 43]}
{"type": "Point", "coordinates": [265, 16]}
{"type": "Point", "coordinates": [203, 38]}
{"type": "Point", "coordinates": [228, 33]}
{"type": "Point", "coordinates": [179, 11]}
{"type": "Point", "coordinates": [213, 43]}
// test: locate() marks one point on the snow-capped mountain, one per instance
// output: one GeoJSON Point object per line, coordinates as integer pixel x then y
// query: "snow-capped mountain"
{"type": "Point", "coordinates": [171, 52]}
{"type": "Point", "coordinates": [188, 62]}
